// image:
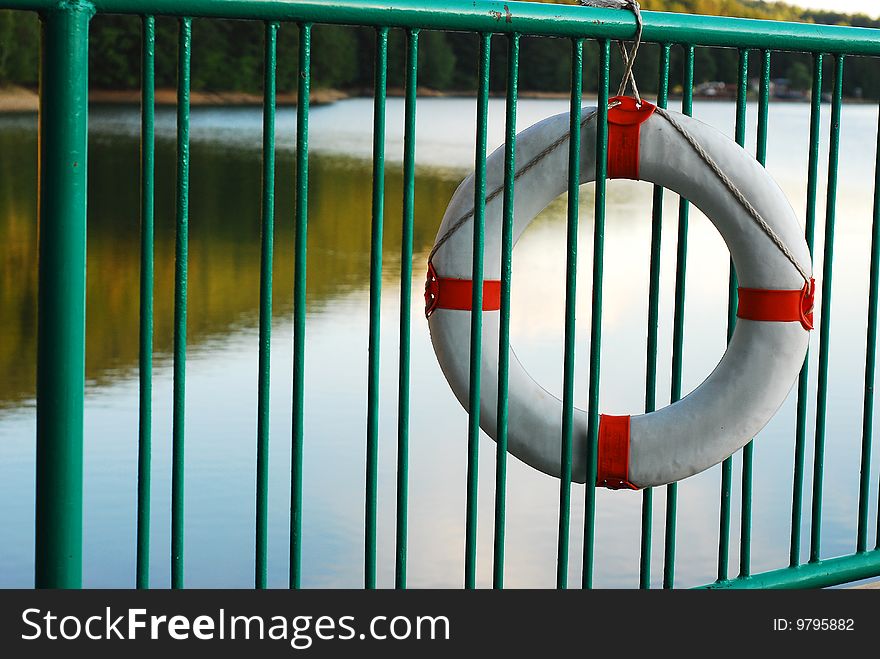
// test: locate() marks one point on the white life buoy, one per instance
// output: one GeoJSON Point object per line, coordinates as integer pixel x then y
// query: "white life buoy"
{"type": "Point", "coordinates": [765, 352]}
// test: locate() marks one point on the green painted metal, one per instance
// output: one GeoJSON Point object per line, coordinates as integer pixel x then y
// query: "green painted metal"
{"type": "Point", "coordinates": [476, 339]}
{"type": "Point", "coordinates": [745, 542]}
{"type": "Point", "coordinates": [145, 353]}
{"type": "Point", "coordinates": [870, 365]}
{"type": "Point", "coordinates": [646, 536]}
{"type": "Point", "coordinates": [574, 177]}
{"type": "Point", "coordinates": [502, 16]}
{"type": "Point", "coordinates": [299, 301]}
{"type": "Point", "coordinates": [763, 109]}
{"type": "Point", "coordinates": [748, 452]}
{"type": "Point", "coordinates": [816, 574]}
{"type": "Point", "coordinates": [62, 296]}
{"type": "Point", "coordinates": [406, 267]}
{"type": "Point", "coordinates": [797, 497]}
{"type": "Point", "coordinates": [267, 246]}
{"type": "Point", "coordinates": [181, 257]}
{"type": "Point", "coordinates": [62, 259]}
{"type": "Point", "coordinates": [653, 327]}
{"type": "Point", "coordinates": [825, 314]}
{"type": "Point", "coordinates": [504, 326]}
{"type": "Point", "coordinates": [375, 306]}
{"type": "Point", "coordinates": [596, 318]}
{"type": "Point", "coordinates": [742, 88]}
{"type": "Point", "coordinates": [687, 108]}
{"type": "Point", "coordinates": [724, 519]}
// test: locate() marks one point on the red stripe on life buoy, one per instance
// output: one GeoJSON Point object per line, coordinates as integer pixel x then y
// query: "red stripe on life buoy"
{"type": "Point", "coordinates": [448, 293]}
{"type": "Point", "coordinates": [613, 459]}
{"type": "Point", "coordinates": [624, 125]}
{"type": "Point", "coordinates": [778, 305]}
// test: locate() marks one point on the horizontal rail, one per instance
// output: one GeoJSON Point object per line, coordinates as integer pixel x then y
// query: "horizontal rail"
{"type": "Point", "coordinates": [520, 17]}
{"type": "Point", "coordinates": [828, 572]}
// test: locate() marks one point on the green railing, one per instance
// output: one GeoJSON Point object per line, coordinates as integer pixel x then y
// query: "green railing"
{"type": "Point", "coordinates": [63, 165]}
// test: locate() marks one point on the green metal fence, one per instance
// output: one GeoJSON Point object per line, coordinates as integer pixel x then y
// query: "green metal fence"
{"type": "Point", "coordinates": [61, 343]}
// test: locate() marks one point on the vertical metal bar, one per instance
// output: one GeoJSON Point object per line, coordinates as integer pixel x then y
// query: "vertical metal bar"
{"type": "Point", "coordinates": [267, 235]}
{"type": "Point", "coordinates": [596, 319]}
{"type": "Point", "coordinates": [687, 108]}
{"type": "Point", "coordinates": [145, 356]}
{"type": "Point", "coordinates": [180, 284]}
{"type": "Point", "coordinates": [870, 364]}
{"type": "Point", "coordinates": [742, 89]}
{"type": "Point", "coordinates": [299, 300]}
{"type": "Point", "coordinates": [745, 551]}
{"type": "Point", "coordinates": [504, 331]}
{"type": "Point", "coordinates": [375, 306]}
{"type": "Point", "coordinates": [62, 295]}
{"type": "Point", "coordinates": [476, 343]}
{"type": "Point", "coordinates": [574, 180]}
{"type": "Point", "coordinates": [406, 256]}
{"type": "Point", "coordinates": [825, 322]}
{"type": "Point", "coordinates": [653, 326]}
{"type": "Point", "coordinates": [797, 500]}
{"type": "Point", "coordinates": [763, 108]}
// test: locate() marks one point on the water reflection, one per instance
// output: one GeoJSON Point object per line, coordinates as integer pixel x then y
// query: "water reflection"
{"type": "Point", "coordinates": [224, 261]}
{"type": "Point", "coordinates": [221, 384]}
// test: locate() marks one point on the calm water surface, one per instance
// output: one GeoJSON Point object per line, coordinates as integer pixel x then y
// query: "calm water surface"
{"type": "Point", "coordinates": [222, 364]}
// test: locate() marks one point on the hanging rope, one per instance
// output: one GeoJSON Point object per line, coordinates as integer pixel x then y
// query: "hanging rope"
{"type": "Point", "coordinates": [736, 192]}
{"type": "Point", "coordinates": [629, 58]}
{"type": "Point", "coordinates": [498, 190]}
{"type": "Point", "coordinates": [628, 76]}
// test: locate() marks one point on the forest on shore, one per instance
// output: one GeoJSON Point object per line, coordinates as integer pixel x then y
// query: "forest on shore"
{"type": "Point", "coordinates": [227, 56]}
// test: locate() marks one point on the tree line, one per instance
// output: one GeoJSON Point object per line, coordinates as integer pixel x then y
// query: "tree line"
{"type": "Point", "coordinates": [228, 55]}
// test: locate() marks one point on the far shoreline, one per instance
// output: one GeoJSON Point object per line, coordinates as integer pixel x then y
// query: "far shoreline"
{"type": "Point", "coordinates": [15, 100]}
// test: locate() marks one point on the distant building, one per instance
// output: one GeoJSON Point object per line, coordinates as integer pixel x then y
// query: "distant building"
{"type": "Point", "coordinates": [781, 89]}
{"type": "Point", "coordinates": [715, 89]}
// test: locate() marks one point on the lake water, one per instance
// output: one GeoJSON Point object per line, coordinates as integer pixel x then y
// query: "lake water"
{"type": "Point", "coordinates": [222, 364]}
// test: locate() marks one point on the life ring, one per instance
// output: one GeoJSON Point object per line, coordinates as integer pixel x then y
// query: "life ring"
{"type": "Point", "coordinates": [765, 352]}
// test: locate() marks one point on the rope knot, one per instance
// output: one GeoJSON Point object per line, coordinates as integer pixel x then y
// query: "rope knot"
{"type": "Point", "coordinates": [629, 57]}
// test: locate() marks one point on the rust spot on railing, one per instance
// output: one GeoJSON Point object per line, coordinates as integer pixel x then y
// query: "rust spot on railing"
{"type": "Point", "coordinates": [508, 17]}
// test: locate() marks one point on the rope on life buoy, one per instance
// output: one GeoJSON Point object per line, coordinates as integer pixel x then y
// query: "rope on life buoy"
{"type": "Point", "coordinates": [737, 193]}
{"type": "Point", "coordinates": [629, 57]}
{"type": "Point", "coordinates": [763, 356]}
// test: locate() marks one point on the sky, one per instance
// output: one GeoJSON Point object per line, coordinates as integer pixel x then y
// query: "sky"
{"type": "Point", "coordinates": [869, 7]}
